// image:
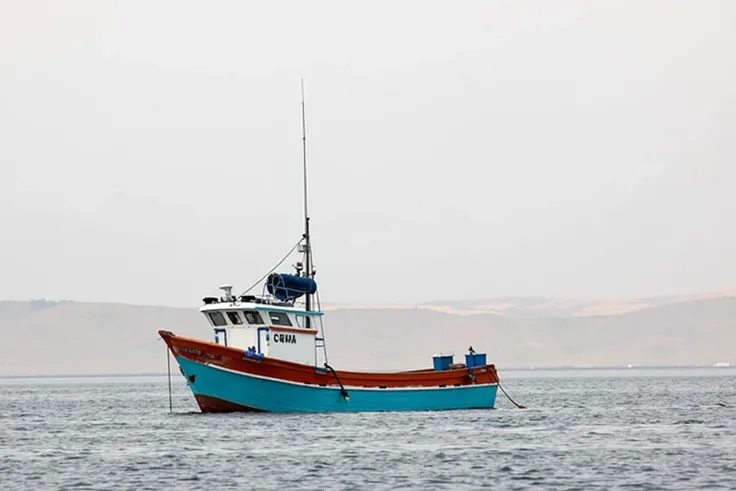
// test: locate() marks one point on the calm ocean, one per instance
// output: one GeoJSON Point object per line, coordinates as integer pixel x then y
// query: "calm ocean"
{"type": "Point", "coordinates": [672, 429]}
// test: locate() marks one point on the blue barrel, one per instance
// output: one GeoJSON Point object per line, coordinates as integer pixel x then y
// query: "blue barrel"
{"type": "Point", "coordinates": [288, 287]}
{"type": "Point", "coordinates": [475, 360]}
{"type": "Point", "coordinates": [442, 362]}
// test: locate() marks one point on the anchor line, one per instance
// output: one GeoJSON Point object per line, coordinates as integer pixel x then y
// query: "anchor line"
{"type": "Point", "coordinates": [343, 392]}
{"type": "Point", "coordinates": [168, 370]}
{"type": "Point", "coordinates": [519, 406]}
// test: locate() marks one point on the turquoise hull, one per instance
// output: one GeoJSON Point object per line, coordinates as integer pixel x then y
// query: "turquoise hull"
{"type": "Point", "coordinates": [267, 394]}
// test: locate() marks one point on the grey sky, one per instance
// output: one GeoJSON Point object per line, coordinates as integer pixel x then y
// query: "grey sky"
{"type": "Point", "coordinates": [150, 151]}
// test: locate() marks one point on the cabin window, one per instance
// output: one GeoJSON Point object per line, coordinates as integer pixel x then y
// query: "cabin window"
{"type": "Point", "coordinates": [234, 318]}
{"type": "Point", "coordinates": [279, 319]}
{"type": "Point", "coordinates": [253, 317]}
{"type": "Point", "coordinates": [217, 318]}
{"type": "Point", "coordinates": [303, 321]}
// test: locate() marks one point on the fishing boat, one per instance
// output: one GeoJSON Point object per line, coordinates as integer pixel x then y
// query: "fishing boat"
{"type": "Point", "coordinates": [269, 354]}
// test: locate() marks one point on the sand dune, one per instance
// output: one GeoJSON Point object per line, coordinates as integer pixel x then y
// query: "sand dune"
{"type": "Point", "coordinates": [84, 338]}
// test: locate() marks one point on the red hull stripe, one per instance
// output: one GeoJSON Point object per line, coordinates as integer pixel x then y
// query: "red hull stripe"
{"type": "Point", "coordinates": [352, 387]}
{"type": "Point", "coordinates": [234, 359]}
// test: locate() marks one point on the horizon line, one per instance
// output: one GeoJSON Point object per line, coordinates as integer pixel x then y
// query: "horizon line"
{"type": "Point", "coordinates": [510, 368]}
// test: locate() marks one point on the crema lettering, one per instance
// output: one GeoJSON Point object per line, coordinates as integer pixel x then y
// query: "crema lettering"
{"type": "Point", "coordinates": [284, 338]}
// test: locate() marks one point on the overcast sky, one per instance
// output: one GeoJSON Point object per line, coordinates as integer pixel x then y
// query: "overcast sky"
{"type": "Point", "coordinates": [151, 151]}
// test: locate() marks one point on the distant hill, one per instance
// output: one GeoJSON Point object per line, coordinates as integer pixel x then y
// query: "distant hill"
{"type": "Point", "coordinates": [84, 338]}
{"type": "Point", "coordinates": [41, 337]}
{"type": "Point", "coordinates": [536, 307]}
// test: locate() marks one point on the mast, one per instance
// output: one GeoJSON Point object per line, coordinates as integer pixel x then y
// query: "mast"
{"type": "Point", "coordinates": [307, 239]}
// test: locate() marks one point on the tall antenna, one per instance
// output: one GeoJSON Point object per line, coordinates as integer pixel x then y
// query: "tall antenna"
{"type": "Point", "coordinates": [307, 241]}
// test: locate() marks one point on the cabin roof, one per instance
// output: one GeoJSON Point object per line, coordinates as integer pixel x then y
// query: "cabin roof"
{"type": "Point", "coordinates": [240, 306]}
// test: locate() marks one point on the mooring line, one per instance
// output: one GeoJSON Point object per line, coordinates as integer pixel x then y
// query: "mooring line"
{"type": "Point", "coordinates": [519, 406]}
{"type": "Point", "coordinates": [168, 370]}
{"type": "Point", "coordinates": [343, 392]}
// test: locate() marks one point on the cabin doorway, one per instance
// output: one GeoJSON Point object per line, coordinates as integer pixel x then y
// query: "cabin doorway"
{"type": "Point", "coordinates": [263, 340]}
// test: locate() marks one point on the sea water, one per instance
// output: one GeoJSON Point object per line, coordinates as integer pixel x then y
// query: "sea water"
{"type": "Point", "coordinates": [584, 429]}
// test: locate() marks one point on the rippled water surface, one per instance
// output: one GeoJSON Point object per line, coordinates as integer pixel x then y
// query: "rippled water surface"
{"type": "Point", "coordinates": [608, 429]}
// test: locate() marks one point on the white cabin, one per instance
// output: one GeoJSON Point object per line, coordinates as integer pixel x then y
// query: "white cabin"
{"type": "Point", "coordinates": [272, 329]}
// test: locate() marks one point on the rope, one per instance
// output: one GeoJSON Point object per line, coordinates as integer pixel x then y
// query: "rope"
{"type": "Point", "coordinates": [274, 268]}
{"type": "Point", "coordinates": [168, 369]}
{"type": "Point", "coordinates": [519, 406]}
{"type": "Point", "coordinates": [343, 392]}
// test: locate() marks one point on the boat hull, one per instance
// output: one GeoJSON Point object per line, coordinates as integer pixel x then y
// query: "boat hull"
{"type": "Point", "coordinates": [219, 389]}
